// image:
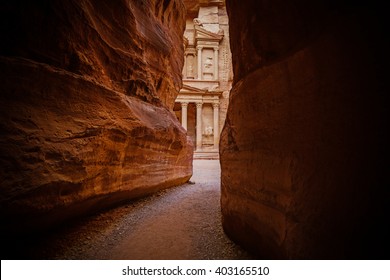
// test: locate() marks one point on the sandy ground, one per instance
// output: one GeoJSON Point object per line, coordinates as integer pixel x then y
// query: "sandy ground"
{"type": "Point", "coordinates": [179, 223]}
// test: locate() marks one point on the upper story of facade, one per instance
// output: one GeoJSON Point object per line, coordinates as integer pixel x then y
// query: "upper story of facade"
{"type": "Point", "coordinates": [207, 52]}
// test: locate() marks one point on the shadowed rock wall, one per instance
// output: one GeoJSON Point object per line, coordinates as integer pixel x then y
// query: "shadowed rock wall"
{"type": "Point", "coordinates": [87, 93]}
{"type": "Point", "coordinates": [304, 147]}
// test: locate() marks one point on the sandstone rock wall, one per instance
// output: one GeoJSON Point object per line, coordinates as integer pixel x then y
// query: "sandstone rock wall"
{"type": "Point", "coordinates": [304, 147]}
{"type": "Point", "coordinates": [87, 93]}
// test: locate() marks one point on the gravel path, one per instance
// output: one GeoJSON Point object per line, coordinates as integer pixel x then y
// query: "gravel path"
{"type": "Point", "coordinates": [179, 223]}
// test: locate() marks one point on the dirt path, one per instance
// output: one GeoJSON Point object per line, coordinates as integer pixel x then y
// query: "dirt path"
{"type": "Point", "coordinates": [179, 223]}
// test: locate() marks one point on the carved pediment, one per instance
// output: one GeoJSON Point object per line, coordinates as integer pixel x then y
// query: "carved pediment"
{"type": "Point", "coordinates": [188, 90]}
{"type": "Point", "coordinates": [205, 35]}
{"type": "Point", "coordinates": [192, 90]}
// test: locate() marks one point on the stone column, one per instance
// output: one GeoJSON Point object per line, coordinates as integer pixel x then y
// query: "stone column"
{"type": "Point", "coordinates": [199, 126]}
{"type": "Point", "coordinates": [216, 125]}
{"type": "Point", "coordinates": [189, 66]}
{"type": "Point", "coordinates": [216, 63]}
{"type": "Point", "coordinates": [185, 67]}
{"type": "Point", "coordinates": [199, 62]}
{"type": "Point", "coordinates": [184, 106]}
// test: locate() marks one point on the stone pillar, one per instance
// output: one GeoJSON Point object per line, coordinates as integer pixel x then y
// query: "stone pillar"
{"type": "Point", "coordinates": [189, 66]}
{"type": "Point", "coordinates": [199, 62]}
{"type": "Point", "coordinates": [216, 125]}
{"type": "Point", "coordinates": [184, 106]}
{"type": "Point", "coordinates": [216, 63]}
{"type": "Point", "coordinates": [185, 66]}
{"type": "Point", "coordinates": [199, 126]}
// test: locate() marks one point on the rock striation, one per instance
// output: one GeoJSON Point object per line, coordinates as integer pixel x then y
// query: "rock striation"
{"type": "Point", "coordinates": [87, 96]}
{"type": "Point", "coordinates": [303, 150]}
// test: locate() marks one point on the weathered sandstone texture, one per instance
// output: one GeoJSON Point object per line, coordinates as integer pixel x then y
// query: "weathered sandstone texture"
{"type": "Point", "coordinates": [87, 95]}
{"type": "Point", "coordinates": [304, 149]}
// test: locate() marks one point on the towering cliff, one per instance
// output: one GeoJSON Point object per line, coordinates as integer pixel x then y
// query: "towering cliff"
{"type": "Point", "coordinates": [304, 147]}
{"type": "Point", "coordinates": [87, 93]}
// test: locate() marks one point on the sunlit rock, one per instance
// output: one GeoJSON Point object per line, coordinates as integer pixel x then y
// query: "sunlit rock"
{"type": "Point", "coordinates": [87, 96]}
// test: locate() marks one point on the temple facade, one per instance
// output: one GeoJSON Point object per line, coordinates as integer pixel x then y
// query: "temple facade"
{"type": "Point", "coordinates": [207, 77]}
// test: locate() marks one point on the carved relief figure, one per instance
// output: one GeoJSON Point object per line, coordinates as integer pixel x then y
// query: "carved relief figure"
{"type": "Point", "coordinates": [208, 64]}
{"type": "Point", "coordinates": [190, 70]}
{"type": "Point", "coordinates": [208, 131]}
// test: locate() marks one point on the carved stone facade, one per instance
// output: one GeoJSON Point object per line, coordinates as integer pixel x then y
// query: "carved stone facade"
{"type": "Point", "coordinates": [207, 77]}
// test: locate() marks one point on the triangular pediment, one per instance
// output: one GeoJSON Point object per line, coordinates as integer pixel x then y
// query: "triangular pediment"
{"type": "Point", "coordinates": [203, 34]}
{"type": "Point", "coordinates": [193, 90]}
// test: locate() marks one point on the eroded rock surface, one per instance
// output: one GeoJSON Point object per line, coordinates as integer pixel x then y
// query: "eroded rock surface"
{"type": "Point", "coordinates": [303, 149]}
{"type": "Point", "coordinates": [87, 93]}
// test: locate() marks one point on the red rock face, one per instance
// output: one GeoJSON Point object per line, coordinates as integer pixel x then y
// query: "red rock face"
{"type": "Point", "coordinates": [87, 92]}
{"type": "Point", "coordinates": [192, 6]}
{"type": "Point", "coordinates": [130, 46]}
{"type": "Point", "coordinates": [303, 149]}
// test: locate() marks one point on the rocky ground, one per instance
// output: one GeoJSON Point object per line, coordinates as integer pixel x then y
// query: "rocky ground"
{"type": "Point", "coordinates": [179, 223]}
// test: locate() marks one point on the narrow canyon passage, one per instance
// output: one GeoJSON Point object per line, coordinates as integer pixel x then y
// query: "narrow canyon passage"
{"type": "Point", "coordinates": [104, 102]}
{"type": "Point", "coordinates": [179, 223]}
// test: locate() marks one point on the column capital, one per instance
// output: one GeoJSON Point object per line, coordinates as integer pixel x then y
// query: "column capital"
{"type": "Point", "coordinates": [184, 104]}
{"type": "Point", "coordinates": [199, 104]}
{"type": "Point", "coordinates": [199, 47]}
{"type": "Point", "coordinates": [216, 48]}
{"type": "Point", "coordinates": [216, 105]}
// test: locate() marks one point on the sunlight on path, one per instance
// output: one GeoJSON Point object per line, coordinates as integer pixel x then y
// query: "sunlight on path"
{"type": "Point", "coordinates": [184, 223]}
